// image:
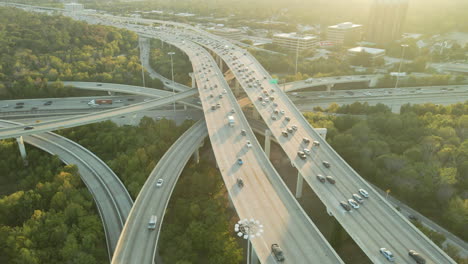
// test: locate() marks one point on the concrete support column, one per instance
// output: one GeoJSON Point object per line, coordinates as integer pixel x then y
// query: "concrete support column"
{"type": "Point", "coordinates": [196, 155]}
{"type": "Point", "coordinates": [185, 107]}
{"type": "Point", "coordinates": [255, 114]}
{"type": "Point", "coordinates": [267, 142]}
{"type": "Point", "coordinates": [300, 181]}
{"type": "Point", "coordinates": [329, 212]}
{"type": "Point", "coordinates": [194, 84]}
{"type": "Point", "coordinates": [254, 257]}
{"type": "Point", "coordinates": [22, 149]}
{"type": "Point", "coordinates": [110, 93]}
{"type": "Point", "coordinates": [236, 88]}
{"type": "Point", "coordinates": [373, 82]}
{"type": "Point", "coordinates": [329, 87]}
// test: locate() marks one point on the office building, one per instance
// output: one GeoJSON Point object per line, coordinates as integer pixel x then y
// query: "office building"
{"type": "Point", "coordinates": [229, 33]}
{"type": "Point", "coordinates": [293, 41]}
{"type": "Point", "coordinates": [386, 21]}
{"type": "Point", "coordinates": [345, 33]}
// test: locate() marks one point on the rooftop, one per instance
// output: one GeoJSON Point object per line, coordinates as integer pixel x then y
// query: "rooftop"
{"type": "Point", "coordinates": [294, 36]}
{"type": "Point", "coordinates": [345, 25]}
{"type": "Point", "coordinates": [366, 49]}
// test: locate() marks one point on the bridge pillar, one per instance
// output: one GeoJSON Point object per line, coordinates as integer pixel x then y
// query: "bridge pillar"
{"type": "Point", "coordinates": [196, 155]}
{"type": "Point", "coordinates": [185, 107]}
{"type": "Point", "coordinates": [110, 93]}
{"type": "Point", "coordinates": [236, 88]}
{"type": "Point", "coordinates": [329, 87]}
{"type": "Point", "coordinates": [329, 212]}
{"type": "Point", "coordinates": [267, 142]}
{"type": "Point", "coordinates": [194, 84]}
{"type": "Point", "coordinates": [300, 181]}
{"type": "Point", "coordinates": [255, 114]}
{"type": "Point", "coordinates": [373, 82]}
{"type": "Point", "coordinates": [22, 149]}
{"type": "Point", "coordinates": [254, 258]}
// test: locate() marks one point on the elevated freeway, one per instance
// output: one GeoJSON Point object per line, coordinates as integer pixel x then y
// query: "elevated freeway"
{"type": "Point", "coordinates": [137, 244]}
{"type": "Point", "coordinates": [91, 118]}
{"type": "Point", "coordinates": [110, 195]}
{"type": "Point", "coordinates": [263, 192]}
{"type": "Point", "coordinates": [376, 223]}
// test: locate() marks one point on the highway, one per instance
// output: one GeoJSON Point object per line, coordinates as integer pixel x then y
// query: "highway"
{"type": "Point", "coordinates": [312, 82]}
{"type": "Point", "coordinates": [264, 194]}
{"type": "Point", "coordinates": [376, 223]}
{"type": "Point", "coordinates": [110, 195]}
{"type": "Point", "coordinates": [137, 244]}
{"type": "Point", "coordinates": [92, 118]}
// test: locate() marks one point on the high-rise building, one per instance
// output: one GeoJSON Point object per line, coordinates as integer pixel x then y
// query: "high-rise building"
{"type": "Point", "coordinates": [345, 33]}
{"type": "Point", "coordinates": [386, 21]}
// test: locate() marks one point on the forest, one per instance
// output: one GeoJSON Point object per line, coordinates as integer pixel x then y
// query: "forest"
{"type": "Point", "coordinates": [47, 214]}
{"type": "Point", "coordinates": [420, 155]}
{"type": "Point", "coordinates": [198, 225]}
{"type": "Point", "coordinates": [160, 61]}
{"type": "Point", "coordinates": [36, 49]}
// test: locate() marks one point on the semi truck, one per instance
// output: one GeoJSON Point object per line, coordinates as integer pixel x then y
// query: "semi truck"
{"type": "Point", "coordinates": [99, 102]}
{"type": "Point", "coordinates": [231, 120]}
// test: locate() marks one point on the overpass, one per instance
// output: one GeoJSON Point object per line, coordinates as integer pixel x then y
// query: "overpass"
{"type": "Point", "coordinates": [390, 221]}
{"type": "Point", "coordinates": [91, 118]}
{"type": "Point", "coordinates": [110, 195]}
{"type": "Point", "coordinates": [290, 227]}
{"type": "Point", "coordinates": [384, 226]}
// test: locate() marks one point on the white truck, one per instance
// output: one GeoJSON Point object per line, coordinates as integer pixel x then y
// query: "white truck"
{"type": "Point", "coordinates": [231, 120]}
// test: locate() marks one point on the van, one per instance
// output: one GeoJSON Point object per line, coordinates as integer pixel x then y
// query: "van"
{"type": "Point", "coordinates": [152, 222]}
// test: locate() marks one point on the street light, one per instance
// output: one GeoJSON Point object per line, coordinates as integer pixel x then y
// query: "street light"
{"type": "Point", "coordinates": [172, 73]}
{"type": "Point", "coordinates": [403, 46]}
{"type": "Point", "coordinates": [247, 229]}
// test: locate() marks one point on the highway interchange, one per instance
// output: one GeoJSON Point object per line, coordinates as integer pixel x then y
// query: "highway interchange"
{"type": "Point", "coordinates": [376, 224]}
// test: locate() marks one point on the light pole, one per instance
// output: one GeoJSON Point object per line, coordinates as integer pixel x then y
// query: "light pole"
{"type": "Point", "coordinates": [403, 46]}
{"type": "Point", "coordinates": [247, 229]}
{"type": "Point", "coordinates": [297, 53]}
{"type": "Point", "coordinates": [172, 73]}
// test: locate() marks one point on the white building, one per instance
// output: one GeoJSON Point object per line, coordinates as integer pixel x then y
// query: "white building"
{"type": "Point", "coordinates": [345, 33]}
{"type": "Point", "coordinates": [293, 41]}
{"type": "Point", "coordinates": [229, 33]}
{"type": "Point", "coordinates": [73, 7]}
{"type": "Point", "coordinates": [374, 53]}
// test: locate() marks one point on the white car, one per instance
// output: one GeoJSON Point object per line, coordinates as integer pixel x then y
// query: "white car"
{"type": "Point", "coordinates": [357, 198]}
{"type": "Point", "coordinates": [364, 193]}
{"type": "Point", "coordinates": [387, 254]}
{"type": "Point", "coordinates": [159, 183]}
{"type": "Point", "coordinates": [282, 112]}
{"type": "Point", "coordinates": [307, 151]}
{"type": "Point", "coordinates": [249, 145]}
{"type": "Point", "coordinates": [353, 203]}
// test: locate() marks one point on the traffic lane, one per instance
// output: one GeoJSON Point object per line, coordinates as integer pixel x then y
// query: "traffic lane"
{"type": "Point", "coordinates": [86, 119]}
{"type": "Point", "coordinates": [226, 109]}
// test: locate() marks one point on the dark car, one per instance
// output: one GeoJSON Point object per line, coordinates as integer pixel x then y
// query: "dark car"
{"type": "Point", "coordinates": [18, 106]}
{"type": "Point", "coordinates": [240, 182]}
{"type": "Point", "coordinates": [277, 252]}
{"type": "Point", "coordinates": [345, 206]}
{"type": "Point", "coordinates": [48, 103]}
{"type": "Point", "coordinates": [243, 132]}
{"type": "Point", "coordinates": [99, 84]}
{"type": "Point", "coordinates": [306, 140]}
{"type": "Point", "coordinates": [331, 180]}
{"type": "Point", "coordinates": [413, 218]}
{"type": "Point", "coordinates": [28, 128]}
{"type": "Point", "coordinates": [321, 178]}
{"type": "Point", "coordinates": [326, 164]}
{"type": "Point", "coordinates": [130, 99]}
{"type": "Point", "coordinates": [20, 103]}
{"type": "Point", "coordinates": [415, 255]}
